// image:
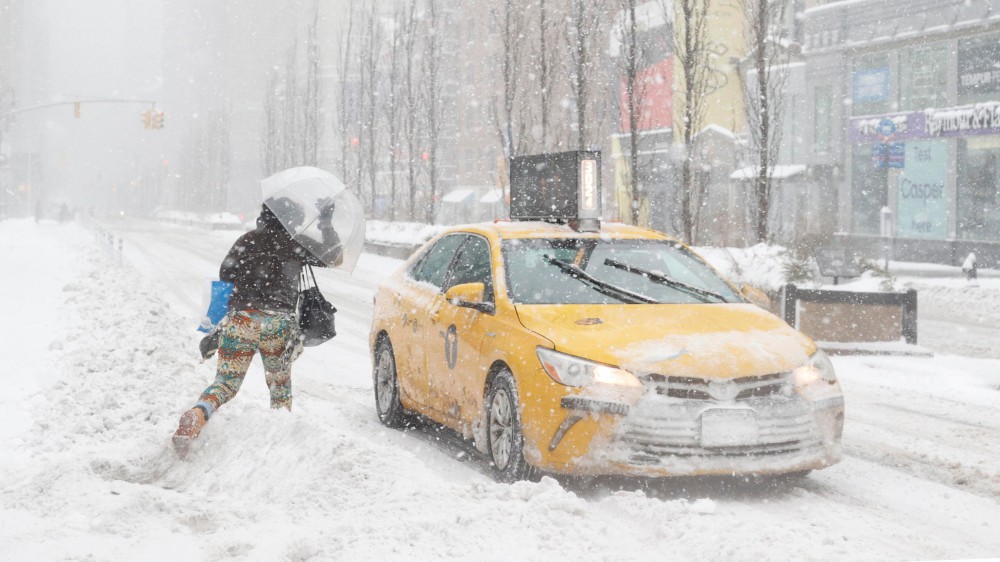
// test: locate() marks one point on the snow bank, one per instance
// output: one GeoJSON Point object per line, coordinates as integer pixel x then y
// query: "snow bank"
{"type": "Point", "coordinates": [408, 233]}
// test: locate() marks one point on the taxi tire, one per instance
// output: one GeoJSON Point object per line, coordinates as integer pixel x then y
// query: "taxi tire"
{"type": "Point", "coordinates": [394, 416]}
{"type": "Point", "coordinates": [503, 411]}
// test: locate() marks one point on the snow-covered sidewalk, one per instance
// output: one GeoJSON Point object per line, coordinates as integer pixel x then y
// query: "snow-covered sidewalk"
{"type": "Point", "coordinates": [101, 361]}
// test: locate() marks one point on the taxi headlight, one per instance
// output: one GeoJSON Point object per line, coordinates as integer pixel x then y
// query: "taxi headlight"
{"type": "Point", "coordinates": [574, 371]}
{"type": "Point", "coordinates": [818, 370]}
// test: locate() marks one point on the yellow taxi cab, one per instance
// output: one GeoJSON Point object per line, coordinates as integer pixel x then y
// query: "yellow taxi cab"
{"type": "Point", "coordinates": [611, 351]}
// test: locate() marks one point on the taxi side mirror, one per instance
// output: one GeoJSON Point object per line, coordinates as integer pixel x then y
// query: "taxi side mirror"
{"type": "Point", "coordinates": [469, 295]}
{"type": "Point", "coordinates": [755, 296]}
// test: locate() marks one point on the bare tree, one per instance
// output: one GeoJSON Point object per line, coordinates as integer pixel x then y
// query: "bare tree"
{"type": "Point", "coordinates": [271, 145]}
{"type": "Point", "coordinates": [370, 75]}
{"type": "Point", "coordinates": [692, 49]}
{"type": "Point", "coordinates": [578, 37]}
{"type": "Point", "coordinates": [544, 67]}
{"type": "Point", "coordinates": [392, 105]}
{"type": "Point", "coordinates": [628, 36]}
{"type": "Point", "coordinates": [291, 132]}
{"type": "Point", "coordinates": [347, 99]}
{"type": "Point", "coordinates": [763, 80]}
{"type": "Point", "coordinates": [509, 20]}
{"type": "Point", "coordinates": [205, 163]}
{"type": "Point", "coordinates": [411, 99]}
{"type": "Point", "coordinates": [311, 97]}
{"type": "Point", "coordinates": [433, 58]}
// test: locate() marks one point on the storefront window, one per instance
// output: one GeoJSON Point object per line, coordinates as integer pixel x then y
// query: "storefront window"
{"type": "Point", "coordinates": [870, 85]}
{"type": "Point", "coordinates": [925, 82]}
{"type": "Point", "coordinates": [868, 191]}
{"type": "Point", "coordinates": [978, 189]}
{"type": "Point", "coordinates": [979, 69]}
{"type": "Point", "coordinates": [921, 201]}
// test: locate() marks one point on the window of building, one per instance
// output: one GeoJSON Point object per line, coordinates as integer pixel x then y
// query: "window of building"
{"type": "Point", "coordinates": [870, 80]}
{"type": "Point", "coordinates": [823, 118]}
{"type": "Point", "coordinates": [979, 69]}
{"type": "Point", "coordinates": [978, 188]}
{"type": "Point", "coordinates": [868, 191]}
{"type": "Point", "coordinates": [925, 82]}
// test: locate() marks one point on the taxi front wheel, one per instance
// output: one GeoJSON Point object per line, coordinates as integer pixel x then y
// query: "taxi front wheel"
{"type": "Point", "coordinates": [505, 438]}
{"type": "Point", "coordinates": [390, 411]}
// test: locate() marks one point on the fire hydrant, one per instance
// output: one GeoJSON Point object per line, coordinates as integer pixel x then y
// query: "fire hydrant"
{"type": "Point", "coordinates": [969, 268]}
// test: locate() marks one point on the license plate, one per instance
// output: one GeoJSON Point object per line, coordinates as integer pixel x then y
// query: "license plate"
{"type": "Point", "coordinates": [729, 428]}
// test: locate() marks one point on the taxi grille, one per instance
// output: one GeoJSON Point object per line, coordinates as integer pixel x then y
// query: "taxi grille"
{"type": "Point", "coordinates": [742, 388]}
{"type": "Point", "coordinates": [651, 435]}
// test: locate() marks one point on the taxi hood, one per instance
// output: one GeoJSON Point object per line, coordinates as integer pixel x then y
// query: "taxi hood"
{"type": "Point", "coordinates": [700, 340]}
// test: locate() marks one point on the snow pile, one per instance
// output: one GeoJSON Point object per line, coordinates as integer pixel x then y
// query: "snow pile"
{"type": "Point", "coordinates": [760, 266]}
{"type": "Point", "coordinates": [404, 233]}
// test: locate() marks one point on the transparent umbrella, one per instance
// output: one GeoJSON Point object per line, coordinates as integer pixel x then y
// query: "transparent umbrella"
{"type": "Point", "coordinates": [319, 212]}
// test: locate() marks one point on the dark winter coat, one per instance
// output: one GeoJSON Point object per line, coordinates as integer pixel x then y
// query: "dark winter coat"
{"type": "Point", "coordinates": [264, 265]}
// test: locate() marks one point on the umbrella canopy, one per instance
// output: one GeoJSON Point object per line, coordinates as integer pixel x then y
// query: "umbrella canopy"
{"type": "Point", "coordinates": [319, 212]}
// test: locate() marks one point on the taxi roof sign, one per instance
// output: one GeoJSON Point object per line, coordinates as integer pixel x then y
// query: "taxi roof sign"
{"type": "Point", "coordinates": [559, 187]}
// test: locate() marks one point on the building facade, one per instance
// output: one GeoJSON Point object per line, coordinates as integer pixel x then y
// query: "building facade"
{"type": "Point", "coordinates": [903, 120]}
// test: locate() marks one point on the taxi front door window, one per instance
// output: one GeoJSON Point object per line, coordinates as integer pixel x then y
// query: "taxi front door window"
{"type": "Point", "coordinates": [473, 265]}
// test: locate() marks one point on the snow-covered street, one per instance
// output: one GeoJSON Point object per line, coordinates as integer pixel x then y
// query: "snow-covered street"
{"type": "Point", "coordinates": [101, 358]}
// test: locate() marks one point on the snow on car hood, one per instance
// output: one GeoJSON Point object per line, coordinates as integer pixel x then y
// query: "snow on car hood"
{"type": "Point", "coordinates": [705, 340]}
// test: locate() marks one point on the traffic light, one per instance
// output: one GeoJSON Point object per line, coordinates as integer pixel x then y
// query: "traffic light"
{"type": "Point", "coordinates": [157, 119]}
{"type": "Point", "coordinates": [147, 118]}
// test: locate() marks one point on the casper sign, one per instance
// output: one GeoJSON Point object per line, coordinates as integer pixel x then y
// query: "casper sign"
{"type": "Point", "coordinates": [922, 208]}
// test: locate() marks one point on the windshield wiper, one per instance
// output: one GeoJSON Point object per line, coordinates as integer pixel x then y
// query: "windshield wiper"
{"type": "Point", "coordinates": [603, 287]}
{"type": "Point", "coordinates": [702, 294]}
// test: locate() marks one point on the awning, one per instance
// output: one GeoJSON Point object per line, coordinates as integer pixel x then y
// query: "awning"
{"type": "Point", "coordinates": [776, 172]}
{"type": "Point", "coordinates": [458, 196]}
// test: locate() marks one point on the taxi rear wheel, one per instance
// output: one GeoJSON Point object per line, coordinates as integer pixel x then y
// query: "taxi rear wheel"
{"type": "Point", "coordinates": [505, 440]}
{"type": "Point", "coordinates": [390, 410]}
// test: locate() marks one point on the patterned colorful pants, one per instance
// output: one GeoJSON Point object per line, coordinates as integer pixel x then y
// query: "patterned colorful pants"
{"type": "Point", "coordinates": [244, 332]}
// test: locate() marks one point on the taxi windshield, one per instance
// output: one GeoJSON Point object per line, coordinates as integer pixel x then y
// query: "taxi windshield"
{"type": "Point", "coordinates": [603, 271]}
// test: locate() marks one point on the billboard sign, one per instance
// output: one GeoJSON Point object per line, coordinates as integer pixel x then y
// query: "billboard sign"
{"type": "Point", "coordinates": [561, 186]}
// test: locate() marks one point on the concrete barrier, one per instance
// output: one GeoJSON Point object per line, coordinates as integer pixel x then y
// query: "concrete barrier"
{"type": "Point", "coordinates": [390, 249]}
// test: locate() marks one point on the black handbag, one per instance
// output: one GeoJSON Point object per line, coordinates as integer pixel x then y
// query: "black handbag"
{"type": "Point", "coordinates": [314, 312]}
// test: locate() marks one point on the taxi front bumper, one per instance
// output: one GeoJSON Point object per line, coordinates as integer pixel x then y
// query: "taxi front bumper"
{"type": "Point", "coordinates": [669, 437]}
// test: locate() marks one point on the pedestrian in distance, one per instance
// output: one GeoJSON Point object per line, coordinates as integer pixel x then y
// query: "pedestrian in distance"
{"type": "Point", "coordinates": [264, 266]}
{"type": "Point", "coordinates": [969, 267]}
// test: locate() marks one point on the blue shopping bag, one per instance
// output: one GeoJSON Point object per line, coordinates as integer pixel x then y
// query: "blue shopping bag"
{"type": "Point", "coordinates": [218, 305]}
